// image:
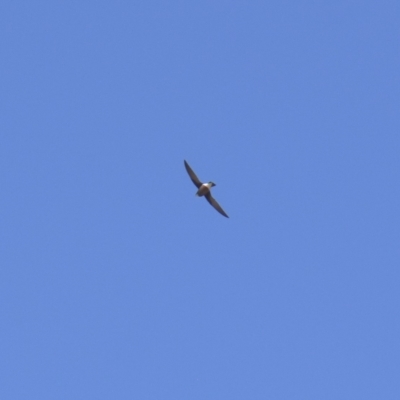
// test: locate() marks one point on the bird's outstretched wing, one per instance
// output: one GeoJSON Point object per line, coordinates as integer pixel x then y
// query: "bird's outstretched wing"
{"type": "Point", "coordinates": [192, 175]}
{"type": "Point", "coordinates": [214, 203]}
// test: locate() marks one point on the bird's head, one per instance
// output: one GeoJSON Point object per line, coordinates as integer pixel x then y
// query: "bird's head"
{"type": "Point", "coordinates": [212, 184]}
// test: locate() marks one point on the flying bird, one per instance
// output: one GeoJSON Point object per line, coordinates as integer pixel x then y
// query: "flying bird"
{"type": "Point", "coordinates": [204, 189]}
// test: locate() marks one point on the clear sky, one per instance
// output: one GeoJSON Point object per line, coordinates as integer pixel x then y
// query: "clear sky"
{"type": "Point", "coordinates": [116, 282]}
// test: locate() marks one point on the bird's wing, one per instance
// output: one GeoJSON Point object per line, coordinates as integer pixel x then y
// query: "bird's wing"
{"type": "Point", "coordinates": [214, 203]}
{"type": "Point", "coordinates": [192, 175]}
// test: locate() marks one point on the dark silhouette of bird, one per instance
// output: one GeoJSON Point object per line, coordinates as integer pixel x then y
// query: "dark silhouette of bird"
{"type": "Point", "coordinates": [204, 189]}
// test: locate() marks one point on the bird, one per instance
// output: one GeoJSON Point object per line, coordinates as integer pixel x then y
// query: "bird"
{"type": "Point", "coordinates": [204, 189]}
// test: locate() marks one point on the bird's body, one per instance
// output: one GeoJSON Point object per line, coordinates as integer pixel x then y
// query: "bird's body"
{"type": "Point", "coordinates": [204, 189]}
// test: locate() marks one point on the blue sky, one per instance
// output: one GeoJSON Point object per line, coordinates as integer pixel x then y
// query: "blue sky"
{"type": "Point", "coordinates": [116, 282]}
